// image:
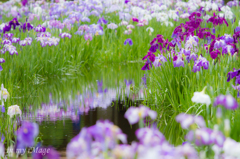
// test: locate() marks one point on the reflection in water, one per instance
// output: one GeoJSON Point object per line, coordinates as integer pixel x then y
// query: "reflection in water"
{"type": "Point", "coordinates": [82, 103]}
{"type": "Point", "coordinates": [61, 120]}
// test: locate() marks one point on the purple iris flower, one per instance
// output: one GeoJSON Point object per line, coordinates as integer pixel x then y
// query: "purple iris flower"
{"type": "Point", "coordinates": [26, 26]}
{"type": "Point", "coordinates": [218, 138]}
{"type": "Point", "coordinates": [196, 68]}
{"type": "Point", "coordinates": [204, 33]}
{"type": "Point", "coordinates": [8, 36]}
{"type": "Point", "coordinates": [24, 2]}
{"type": "Point", "coordinates": [147, 64]}
{"type": "Point", "coordinates": [200, 136]}
{"type": "Point", "coordinates": [103, 129]}
{"type": "Point", "coordinates": [217, 20]}
{"type": "Point", "coordinates": [219, 44]}
{"type": "Point", "coordinates": [154, 47]}
{"type": "Point", "coordinates": [2, 60]}
{"type": "Point", "coordinates": [134, 114]}
{"type": "Point", "coordinates": [1, 68]}
{"type": "Point", "coordinates": [102, 21]}
{"type": "Point", "coordinates": [194, 15]}
{"type": "Point", "coordinates": [149, 55]}
{"type": "Point", "coordinates": [159, 60]}
{"type": "Point", "coordinates": [237, 79]}
{"type": "Point", "coordinates": [135, 19]}
{"type": "Point", "coordinates": [129, 41]}
{"type": "Point", "coordinates": [214, 54]}
{"type": "Point", "coordinates": [228, 101]}
{"type": "Point", "coordinates": [150, 137]}
{"type": "Point", "coordinates": [237, 29]}
{"type": "Point", "coordinates": [3, 109]}
{"type": "Point", "coordinates": [14, 22]}
{"type": "Point", "coordinates": [75, 148]}
{"type": "Point", "coordinates": [6, 28]}
{"type": "Point", "coordinates": [228, 38]}
{"type": "Point", "coordinates": [26, 134]}
{"type": "Point", "coordinates": [228, 49]}
{"type": "Point", "coordinates": [186, 120]}
{"type": "Point", "coordinates": [193, 57]}
{"type": "Point", "coordinates": [40, 28]}
{"type": "Point", "coordinates": [15, 40]}
{"type": "Point", "coordinates": [126, 1]}
{"type": "Point", "coordinates": [214, 30]}
{"type": "Point", "coordinates": [233, 74]}
{"type": "Point", "coordinates": [178, 61]}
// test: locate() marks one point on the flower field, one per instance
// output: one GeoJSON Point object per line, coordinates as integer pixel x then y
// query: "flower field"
{"type": "Point", "coordinates": [120, 79]}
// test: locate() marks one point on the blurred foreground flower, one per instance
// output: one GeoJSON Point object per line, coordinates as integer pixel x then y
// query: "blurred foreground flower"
{"type": "Point", "coordinates": [187, 120]}
{"type": "Point", "coordinates": [228, 101]}
{"type": "Point", "coordinates": [134, 114]}
{"type": "Point", "coordinates": [26, 134]}
{"type": "Point", "coordinates": [201, 97]}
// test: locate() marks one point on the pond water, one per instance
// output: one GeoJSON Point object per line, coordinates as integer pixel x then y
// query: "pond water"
{"type": "Point", "coordinates": [63, 105]}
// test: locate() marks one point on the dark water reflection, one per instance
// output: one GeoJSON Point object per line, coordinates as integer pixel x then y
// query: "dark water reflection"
{"type": "Point", "coordinates": [78, 102]}
{"type": "Point", "coordinates": [59, 133]}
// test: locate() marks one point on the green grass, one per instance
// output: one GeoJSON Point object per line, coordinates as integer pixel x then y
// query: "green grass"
{"type": "Point", "coordinates": [27, 74]}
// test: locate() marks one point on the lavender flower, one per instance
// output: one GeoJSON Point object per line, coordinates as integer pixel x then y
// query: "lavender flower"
{"type": "Point", "coordinates": [79, 144]}
{"type": "Point", "coordinates": [134, 114]}
{"type": "Point", "coordinates": [196, 68]}
{"type": "Point", "coordinates": [26, 134]}
{"type": "Point", "coordinates": [112, 26]}
{"type": "Point", "coordinates": [150, 136]}
{"type": "Point", "coordinates": [219, 44]}
{"type": "Point", "coordinates": [228, 38]}
{"type": "Point", "coordinates": [228, 101]}
{"type": "Point", "coordinates": [7, 36]}
{"type": "Point", "coordinates": [40, 28]}
{"type": "Point", "coordinates": [187, 120]}
{"type": "Point", "coordinates": [228, 49]}
{"type": "Point", "coordinates": [159, 60]}
{"type": "Point", "coordinates": [63, 35]}
{"type": "Point", "coordinates": [193, 57]}
{"type": "Point", "coordinates": [85, 19]}
{"type": "Point", "coordinates": [124, 23]}
{"type": "Point", "coordinates": [88, 37]}
{"type": "Point", "coordinates": [191, 42]}
{"type": "Point", "coordinates": [200, 136]}
{"type": "Point", "coordinates": [15, 40]}
{"type": "Point", "coordinates": [2, 60]}
{"type": "Point", "coordinates": [11, 49]}
{"type": "Point", "coordinates": [44, 34]}
{"type": "Point", "coordinates": [178, 61]}
{"type": "Point", "coordinates": [102, 21]}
